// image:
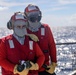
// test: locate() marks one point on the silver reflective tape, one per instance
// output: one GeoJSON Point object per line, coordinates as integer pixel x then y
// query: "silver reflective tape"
{"type": "Point", "coordinates": [42, 31]}
{"type": "Point", "coordinates": [11, 44]}
{"type": "Point", "coordinates": [31, 45]}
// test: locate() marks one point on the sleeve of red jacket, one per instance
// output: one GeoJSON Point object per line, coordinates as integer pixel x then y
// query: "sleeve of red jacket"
{"type": "Point", "coordinates": [3, 58]}
{"type": "Point", "coordinates": [40, 56]}
{"type": "Point", "coordinates": [52, 46]}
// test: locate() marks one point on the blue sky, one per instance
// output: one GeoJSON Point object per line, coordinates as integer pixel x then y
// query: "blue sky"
{"type": "Point", "coordinates": [54, 12]}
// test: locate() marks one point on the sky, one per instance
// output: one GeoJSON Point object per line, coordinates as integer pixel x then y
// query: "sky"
{"type": "Point", "coordinates": [54, 12]}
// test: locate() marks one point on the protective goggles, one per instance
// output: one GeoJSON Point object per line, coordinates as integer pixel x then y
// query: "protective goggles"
{"type": "Point", "coordinates": [36, 17]}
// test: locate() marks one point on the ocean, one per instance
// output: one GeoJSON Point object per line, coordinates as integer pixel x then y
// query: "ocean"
{"type": "Point", "coordinates": [65, 39]}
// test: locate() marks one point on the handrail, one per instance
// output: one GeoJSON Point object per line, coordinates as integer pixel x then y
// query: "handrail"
{"type": "Point", "coordinates": [66, 43]}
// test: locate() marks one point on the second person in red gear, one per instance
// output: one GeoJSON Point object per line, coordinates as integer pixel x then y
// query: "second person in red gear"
{"type": "Point", "coordinates": [46, 40]}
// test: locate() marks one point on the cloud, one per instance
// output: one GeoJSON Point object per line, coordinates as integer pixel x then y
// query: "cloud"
{"type": "Point", "coordinates": [72, 20]}
{"type": "Point", "coordinates": [54, 20]}
{"type": "Point", "coordinates": [21, 3]}
{"type": "Point", "coordinates": [3, 8]}
{"type": "Point", "coordinates": [59, 8]}
{"type": "Point", "coordinates": [7, 4]}
{"type": "Point", "coordinates": [4, 18]}
{"type": "Point", "coordinates": [49, 13]}
{"type": "Point", "coordinates": [67, 1]}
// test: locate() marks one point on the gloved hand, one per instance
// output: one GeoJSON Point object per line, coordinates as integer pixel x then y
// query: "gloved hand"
{"type": "Point", "coordinates": [52, 68]}
{"type": "Point", "coordinates": [24, 72]}
{"type": "Point", "coordinates": [34, 66]}
{"type": "Point", "coordinates": [33, 37]}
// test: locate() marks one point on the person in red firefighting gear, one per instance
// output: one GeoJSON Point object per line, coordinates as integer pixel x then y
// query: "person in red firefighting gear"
{"type": "Point", "coordinates": [46, 40]}
{"type": "Point", "coordinates": [18, 47]}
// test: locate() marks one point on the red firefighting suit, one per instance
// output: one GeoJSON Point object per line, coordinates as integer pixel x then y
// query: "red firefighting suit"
{"type": "Point", "coordinates": [11, 51]}
{"type": "Point", "coordinates": [46, 43]}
